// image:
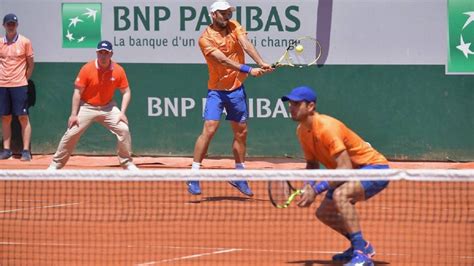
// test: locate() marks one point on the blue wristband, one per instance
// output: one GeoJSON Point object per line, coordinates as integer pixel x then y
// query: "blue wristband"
{"type": "Point", "coordinates": [245, 68]}
{"type": "Point", "coordinates": [321, 187]}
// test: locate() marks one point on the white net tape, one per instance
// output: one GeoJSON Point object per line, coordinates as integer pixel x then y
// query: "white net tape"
{"type": "Point", "coordinates": [253, 175]}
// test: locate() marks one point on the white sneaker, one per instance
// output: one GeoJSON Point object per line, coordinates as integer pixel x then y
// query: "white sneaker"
{"type": "Point", "coordinates": [130, 167]}
{"type": "Point", "coordinates": [52, 167]}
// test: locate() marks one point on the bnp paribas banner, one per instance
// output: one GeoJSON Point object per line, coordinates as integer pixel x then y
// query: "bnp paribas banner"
{"type": "Point", "coordinates": [167, 31]}
{"type": "Point", "coordinates": [164, 31]}
{"type": "Point", "coordinates": [461, 36]}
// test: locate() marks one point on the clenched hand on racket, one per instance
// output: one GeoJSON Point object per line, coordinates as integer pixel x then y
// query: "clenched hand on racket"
{"type": "Point", "coordinates": [307, 196]}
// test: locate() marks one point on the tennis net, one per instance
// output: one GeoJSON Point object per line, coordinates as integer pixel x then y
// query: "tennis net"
{"type": "Point", "coordinates": [424, 217]}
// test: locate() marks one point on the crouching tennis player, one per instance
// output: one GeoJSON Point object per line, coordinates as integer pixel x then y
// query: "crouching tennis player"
{"type": "Point", "coordinates": [328, 141]}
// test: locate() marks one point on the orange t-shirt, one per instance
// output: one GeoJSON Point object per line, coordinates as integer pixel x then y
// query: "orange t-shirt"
{"type": "Point", "coordinates": [100, 85]}
{"type": "Point", "coordinates": [329, 137]}
{"type": "Point", "coordinates": [13, 61]}
{"type": "Point", "coordinates": [221, 77]}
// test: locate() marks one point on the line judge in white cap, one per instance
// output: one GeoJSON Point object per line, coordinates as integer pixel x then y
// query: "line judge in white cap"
{"type": "Point", "coordinates": [223, 44]}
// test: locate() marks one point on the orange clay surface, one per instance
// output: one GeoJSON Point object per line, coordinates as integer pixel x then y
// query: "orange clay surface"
{"type": "Point", "coordinates": [159, 223]}
{"type": "Point", "coordinates": [111, 162]}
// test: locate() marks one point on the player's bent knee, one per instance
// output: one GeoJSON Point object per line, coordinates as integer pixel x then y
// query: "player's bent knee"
{"type": "Point", "coordinates": [122, 129]}
{"type": "Point", "coordinates": [209, 132]}
{"type": "Point", "coordinates": [240, 138]}
{"type": "Point", "coordinates": [241, 135]}
{"type": "Point", "coordinates": [72, 132]}
{"type": "Point", "coordinates": [124, 134]}
{"type": "Point", "coordinates": [340, 197]}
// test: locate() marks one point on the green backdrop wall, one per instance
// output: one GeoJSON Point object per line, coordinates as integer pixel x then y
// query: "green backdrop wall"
{"type": "Point", "coordinates": [411, 112]}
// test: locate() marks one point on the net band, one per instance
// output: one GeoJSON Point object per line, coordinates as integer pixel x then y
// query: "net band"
{"type": "Point", "coordinates": [254, 175]}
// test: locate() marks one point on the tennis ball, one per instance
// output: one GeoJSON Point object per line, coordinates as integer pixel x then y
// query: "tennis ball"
{"type": "Point", "coordinates": [299, 48]}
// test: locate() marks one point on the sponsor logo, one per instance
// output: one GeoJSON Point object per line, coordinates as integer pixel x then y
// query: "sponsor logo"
{"type": "Point", "coordinates": [81, 25]}
{"type": "Point", "coordinates": [461, 36]}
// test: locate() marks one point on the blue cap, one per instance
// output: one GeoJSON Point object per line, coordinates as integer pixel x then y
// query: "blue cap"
{"type": "Point", "coordinates": [104, 45]}
{"type": "Point", "coordinates": [300, 94]}
{"type": "Point", "coordinates": [10, 18]}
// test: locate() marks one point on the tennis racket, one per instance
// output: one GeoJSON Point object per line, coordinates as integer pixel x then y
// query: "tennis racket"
{"type": "Point", "coordinates": [282, 193]}
{"type": "Point", "coordinates": [301, 52]}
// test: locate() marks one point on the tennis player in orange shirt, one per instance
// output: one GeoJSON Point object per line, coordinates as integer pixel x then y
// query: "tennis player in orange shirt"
{"type": "Point", "coordinates": [224, 44]}
{"type": "Point", "coordinates": [328, 141]}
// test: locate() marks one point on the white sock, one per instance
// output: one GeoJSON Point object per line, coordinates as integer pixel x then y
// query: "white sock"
{"type": "Point", "coordinates": [196, 166]}
{"type": "Point", "coordinates": [239, 166]}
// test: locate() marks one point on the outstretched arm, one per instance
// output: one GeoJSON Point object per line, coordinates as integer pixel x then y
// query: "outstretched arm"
{"type": "Point", "coordinates": [224, 60]}
{"type": "Point", "coordinates": [250, 49]}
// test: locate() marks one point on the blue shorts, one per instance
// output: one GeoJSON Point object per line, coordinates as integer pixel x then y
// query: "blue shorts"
{"type": "Point", "coordinates": [234, 102]}
{"type": "Point", "coordinates": [371, 187]}
{"type": "Point", "coordinates": [14, 101]}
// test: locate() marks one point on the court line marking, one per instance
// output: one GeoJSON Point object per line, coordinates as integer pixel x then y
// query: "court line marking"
{"type": "Point", "coordinates": [190, 256]}
{"type": "Point", "coordinates": [468, 257]}
{"type": "Point", "coordinates": [172, 247]}
{"type": "Point", "coordinates": [40, 207]}
{"type": "Point", "coordinates": [39, 244]}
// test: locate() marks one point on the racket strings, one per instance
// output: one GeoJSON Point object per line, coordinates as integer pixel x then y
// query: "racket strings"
{"type": "Point", "coordinates": [280, 191]}
{"type": "Point", "coordinates": [310, 53]}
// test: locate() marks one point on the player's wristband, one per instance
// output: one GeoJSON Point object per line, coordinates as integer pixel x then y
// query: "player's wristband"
{"type": "Point", "coordinates": [245, 68]}
{"type": "Point", "coordinates": [321, 187]}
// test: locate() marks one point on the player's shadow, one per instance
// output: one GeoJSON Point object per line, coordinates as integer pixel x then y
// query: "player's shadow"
{"type": "Point", "coordinates": [328, 262]}
{"type": "Point", "coordinates": [152, 165]}
{"type": "Point", "coordinates": [224, 198]}
{"type": "Point", "coordinates": [139, 165]}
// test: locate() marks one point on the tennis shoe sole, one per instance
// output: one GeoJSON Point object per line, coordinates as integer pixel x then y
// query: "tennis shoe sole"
{"type": "Point", "coordinates": [347, 255]}
{"type": "Point", "coordinates": [243, 187]}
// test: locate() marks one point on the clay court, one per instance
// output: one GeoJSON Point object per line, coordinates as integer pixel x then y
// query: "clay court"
{"type": "Point", "coordinates": [147, 163]}
{"type": "Point", "coordinates": [151, 223]}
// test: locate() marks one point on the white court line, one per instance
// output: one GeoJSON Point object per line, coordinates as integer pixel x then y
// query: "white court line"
{"type": "Point", "coordinates": [25, 200]}
{"type": "Point", "coordinates": [40, 207]}
{"type": "Point", "coordinates": [181, 247]}
{"type": "Point", "coordinates": [39, 244]}
{"type": "Point", "coordinates": [190, 256]}
{"type": "Point", "coordinates": [221, 250]}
